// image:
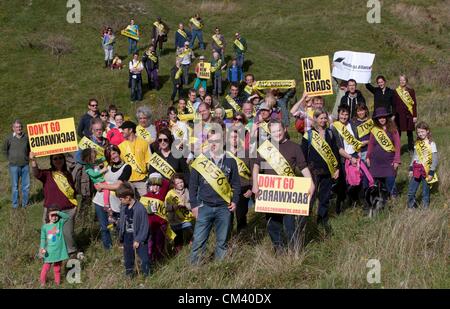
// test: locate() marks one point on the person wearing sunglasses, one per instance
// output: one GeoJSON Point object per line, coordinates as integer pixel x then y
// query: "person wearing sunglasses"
{"type": "Point", "coordinates": [53, 179]}
{"type": "Point", "coordinates": [164, 161]}
{"type": "Point", "coordinates": [85, 121]}
{"type": "Point", "coordinates": [108, 42]}
{"type": "Point", "coordinates": [213, 201]}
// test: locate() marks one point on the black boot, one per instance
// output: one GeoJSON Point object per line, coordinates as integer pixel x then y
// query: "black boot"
{"type": "Point", "coordinates": [106, 64]}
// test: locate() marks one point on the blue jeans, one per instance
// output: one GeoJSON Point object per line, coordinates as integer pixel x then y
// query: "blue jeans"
{"type": "Point", "coordinates": [132, 46]}
{"type": "Point", "coordinates": [293, 227]}
{"type": "Point", "coordinates": [240, 59]}
{"type": "Point", "coordinates": [102, 217]}
{"type": "Point", "coordinates": [136, 88]}
{"type": "Point", "coordinates": [22, 172]}
{"type": "Point", "coordinates": [220, 216]}
{"type": "Point", "coordinates": [197, 34]}
{"type": "Point", "coordinates": [413, 186]}
{"type": "Point", "coordinates": [129, 255]}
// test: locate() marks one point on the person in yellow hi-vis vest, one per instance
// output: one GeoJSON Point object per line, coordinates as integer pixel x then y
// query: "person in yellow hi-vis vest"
{"type": "Point", "coordinates": [287, 157]}
{"type": "Point", "coordinates": [135, 152]}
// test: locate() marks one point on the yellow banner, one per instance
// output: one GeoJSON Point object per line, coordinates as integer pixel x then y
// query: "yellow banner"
{"type": "Point", "coordinates": [182, 33]}
{"type": "Point", "coordinates": [160, 27]}
{"type": "Point", "coordinates": [233, 103]}
{"type": "Point", "coordinates": [244, 171]}
{"type": "Point", "coordinates": [144, 134]}
{"type": "Point", "coordinates": [383, 139]}
{"type": "Point", "coordinates": [324, 150]}
{"type": "Point", "coordinates": [196, 23]}
{"type": "Point", "coordinates": [157, 207]}
{"type": "Point", "coordinates": [283, 195]}
{"type": "Point", "coordinates": [52, 137]}
{"type": "Point", "coordinates": [64, 186]}
{"type": "Point", "coordinates": [216, 66]}
{"type": "Point", "coordinates": [239, 44]}
{"type": "Point", "coordinates": [426, 158]}
{"type": "Point", "coordinates": [278, 84]}
{"type": "Point", "coordinates": [229, 113]}
{"type": "Point", "coordinates": [316, 75]}
{"type": "Point", "coordinates": [204, 70]}
{"type": "Point", "coordinates": [218, 41]}
{"type": "Point", "coordinates": [129, 34]}
{"type": "Point", "coordinates": [348, 137]}
{"type": "Point", "coordinates": [406, 98]}
{"type": "Point", "coordinates": [184, 53]}
{"type": "Point", "coordinates": [214, 176]}
{"type": "Point", "coordinates": [186, 117]}
{"type": "Point", "coordinates": [248, 89]}
{"type": "Point", "coordinates": [87, 143]}
{"type": "Point", "coordinates": [161, 166]}
{"type": "Point", "coordinates": [154, 58]}
{"type": "Point", "coordinates": [182, 213]}
{"type": "Point", "coordinates": [365, 128]}
{"type": "Point", "coordinates": [275, 159]}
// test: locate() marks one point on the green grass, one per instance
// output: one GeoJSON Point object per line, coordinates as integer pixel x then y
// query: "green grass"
{"type": "Point", "coordinates": [412, 39]}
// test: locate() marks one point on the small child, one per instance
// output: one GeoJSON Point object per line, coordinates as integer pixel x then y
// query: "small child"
{"type": "Point", "coordinates": [179, 212]}
{"type": "Point", "coordinates": [423, 166]}
{"type": "Point", "coordinates": [234, 72]}
{"type": "Point", "coordinates": [53, 247]}
{"type": "Point", "coordinates": [133, 230]}
{"type": "Point", "coordinates": [157, 218]}
{"type": "Point", "coordinates": [95, 173]}
{"type": "Point", "coordinates": [116, 63]}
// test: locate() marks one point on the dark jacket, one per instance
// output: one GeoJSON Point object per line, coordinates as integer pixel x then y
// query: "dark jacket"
{"type": "Point", "coordinates": [17, 150]}
{"type": "Point", "coordinates": [141, 230]}
{"type": "Point", "coordinates": [352, 102]}
{"type": "Point", "coordinates": [179, 39]}
{"type": "Point", "coordinates": [149, 65]}
{"type": "Point", "coordinates": [385, 100]}
{"type": "Point", "coordinates": [316, 163]}
{"type": "Point", "coordinates": [201, 192]}
{"type": "Point", "coordinates": [283, 104]}
{"type": "Point", "coordinates": [84, 125]}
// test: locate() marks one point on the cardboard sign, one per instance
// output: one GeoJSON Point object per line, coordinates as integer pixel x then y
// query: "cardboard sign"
{"type": "Point", "coordinates": [204, 70]}
{"type": "Point", "coordinates": [52, 137]}
{"type": "Point", "coordinates": [316, 75]}
{"type": "Point", "coordinates": [283, 195]}
{"type": "Point", "coordinates": [353, 65]}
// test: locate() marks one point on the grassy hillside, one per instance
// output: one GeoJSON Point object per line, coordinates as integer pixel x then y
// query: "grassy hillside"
{"type": "Point", "coordinates": [412, 39]}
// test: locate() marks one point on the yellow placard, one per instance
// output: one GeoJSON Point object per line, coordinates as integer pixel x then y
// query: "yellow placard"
{"type": "Point", "coordinates": [204, 70]}
{"type": "Point", "coordinates": [129, 34]}
{"type": "Point", "coordinates": [278, 84]}
{"type": "Point", "coordinates": [52, 137]}
{"type": "Point", "coordinates": [283, 195]}
{"type": "Point", "coordinates": [316, 75]}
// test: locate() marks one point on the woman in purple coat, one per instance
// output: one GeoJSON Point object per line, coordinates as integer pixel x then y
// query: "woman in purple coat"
{"type": "Point", "coordinates": [405, 105]}
{"type": "Point", "coordinates": [383, 153]}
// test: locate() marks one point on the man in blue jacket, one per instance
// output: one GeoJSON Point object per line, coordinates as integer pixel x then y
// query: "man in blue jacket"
{"type": "Point", "coordinates": [214, 189]}
{"type": "Point", "coordinates": [182, 35]}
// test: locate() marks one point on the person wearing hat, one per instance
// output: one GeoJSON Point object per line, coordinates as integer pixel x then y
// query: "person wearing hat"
{"type": "Point", "coordinates": [260, 129]}
{"type": "Point", "coordinates": [151, 65]}
{"type": "Point", "coordinates": [159, 34]}
{"type": "Point", "coordinates": [135, 152]}
{"type": "Point", "coordinates": [153, 200]}
{"type": "Point", "coordinates": [240, 47]}
{"type": "Point", "coordinates": [199, 81]}
{"type": "Point", "coordinates": [186, 55]}
{"type": "Point", "coordinates": [383, 153]}
{"type": "Point", "coordinates": [181, 36]}
{"type": "Point", "coordinates": [196, 24]}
